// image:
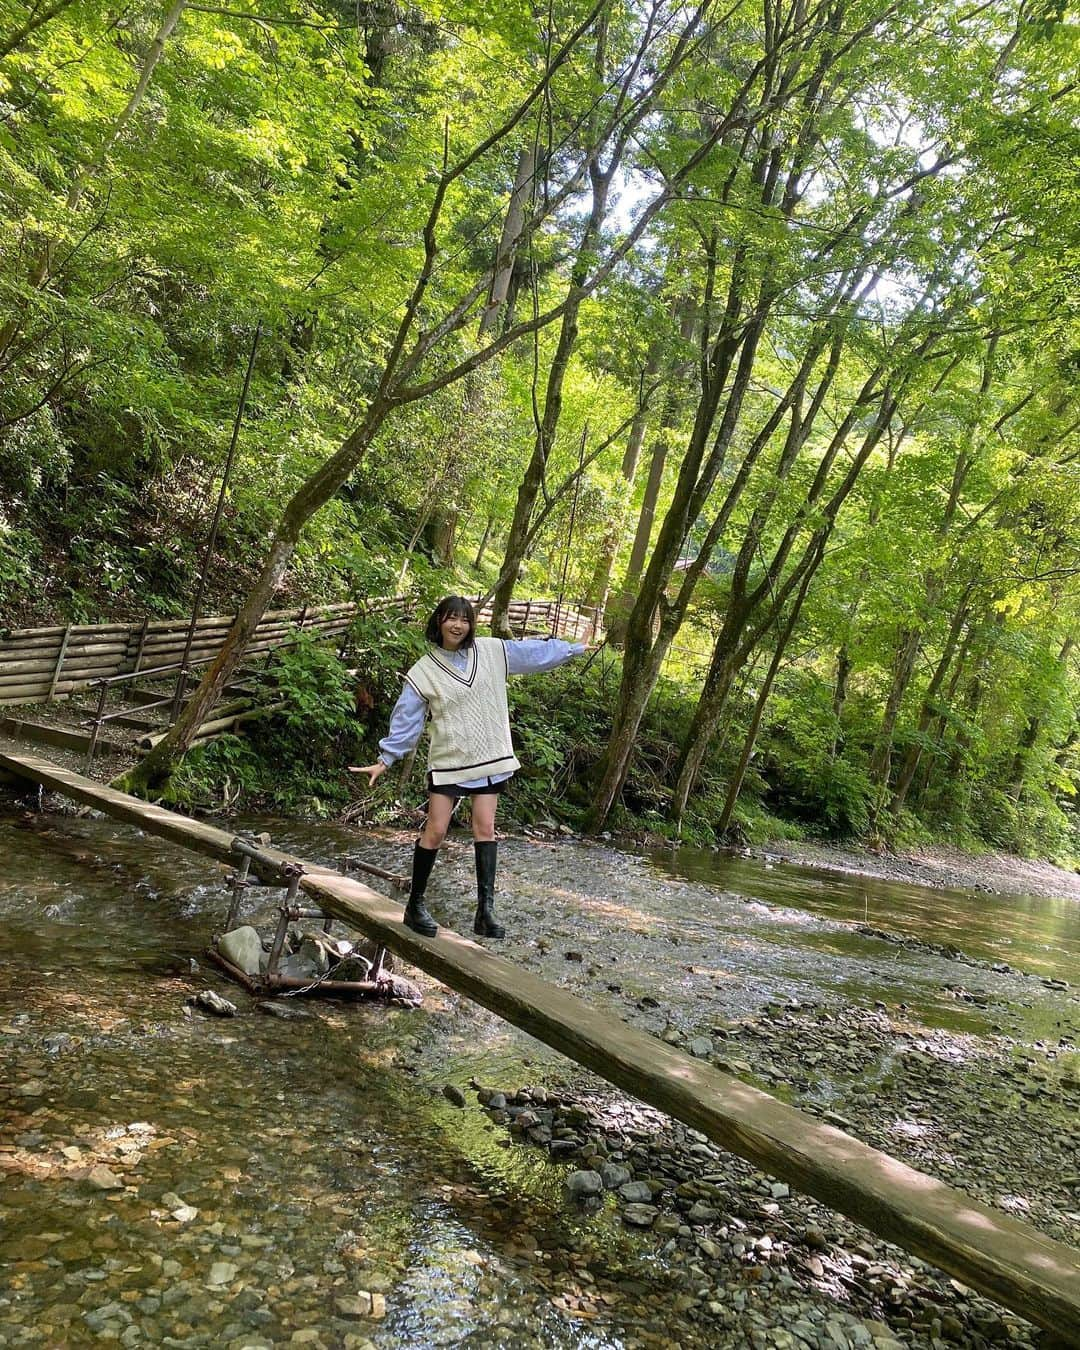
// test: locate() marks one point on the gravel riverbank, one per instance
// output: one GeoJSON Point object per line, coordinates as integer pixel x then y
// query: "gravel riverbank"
{"type": "Point", "coordinates": [939, 866]}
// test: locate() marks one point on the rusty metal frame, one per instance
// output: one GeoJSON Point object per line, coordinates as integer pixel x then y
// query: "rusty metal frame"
{"type": "Point", "coordinates": [272, 872]}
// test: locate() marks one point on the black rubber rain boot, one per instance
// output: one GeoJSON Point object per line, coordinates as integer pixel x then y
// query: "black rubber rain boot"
{"type": "Point", "coordinates": [416, 915]}
{"type": "Point", "coordinates": [487, 859]}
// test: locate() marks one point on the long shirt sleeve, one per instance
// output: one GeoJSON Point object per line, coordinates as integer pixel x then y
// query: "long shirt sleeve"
{"type": "Point", "coordinates": [406, 724]}
{"type": "Point", "coordinates": [530, 656]}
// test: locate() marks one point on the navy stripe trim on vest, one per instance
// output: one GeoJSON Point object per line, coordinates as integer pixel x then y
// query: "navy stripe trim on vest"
{"type": "Point", "coordinates": [460, 768]}
{"type": "Point", "coordinates": [471, 658]}
{"type": "Point", "coordinates": [423, 697]}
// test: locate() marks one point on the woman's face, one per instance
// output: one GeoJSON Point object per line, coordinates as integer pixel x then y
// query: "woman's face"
{"type": "Point", "coordinates": [453, 630]}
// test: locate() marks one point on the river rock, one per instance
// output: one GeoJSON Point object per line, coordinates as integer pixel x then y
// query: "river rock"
{"type": "Point", "coordinates": [243, 947]}
{"type": "Point", "coordinates": [354, 1305]}
{"type": "Point", "coordinates": [640, 1216]}
{"type": "Point", "coordinates": [583, 1184]}
{"type": "Point", "coordinates": [353, 967]}
{"type": "Point", "coordinates": [213, 1003]}
{"type": "Point", "coordinates": [307, 963]}
{"type": "Point", "coordinates": [222, 1272]}
{"type": "Point", "coordinates": [614, 1176]}
{"type": "Point", "coordinates": [103, 1178]}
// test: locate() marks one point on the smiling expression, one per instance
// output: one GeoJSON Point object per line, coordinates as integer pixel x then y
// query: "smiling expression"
{"type": "Point", "coordinates": [453, 631]}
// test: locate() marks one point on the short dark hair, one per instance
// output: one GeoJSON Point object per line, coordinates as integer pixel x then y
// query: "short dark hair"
{"type": "Point", "coordinates": [448, 605]}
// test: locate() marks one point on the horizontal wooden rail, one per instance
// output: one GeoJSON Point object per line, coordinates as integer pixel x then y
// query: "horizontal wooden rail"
{"type": "Point", "coordinates": [39, 664]}
{"type": "Point", "coordinates": [1004, 1258]}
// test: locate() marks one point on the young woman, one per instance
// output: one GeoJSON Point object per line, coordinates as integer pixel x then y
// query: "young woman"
{"type": "Point", "coordinates": [460, 683]}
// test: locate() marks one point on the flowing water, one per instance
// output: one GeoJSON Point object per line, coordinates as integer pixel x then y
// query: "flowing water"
{"type": "Point", "coordinates": [1033, 932]}
{"type": "Point", "coordinates": [270, 1176]}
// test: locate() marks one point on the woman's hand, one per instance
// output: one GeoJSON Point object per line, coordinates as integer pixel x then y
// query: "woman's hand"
{"type": "Point", "coordinates": [374, 771]}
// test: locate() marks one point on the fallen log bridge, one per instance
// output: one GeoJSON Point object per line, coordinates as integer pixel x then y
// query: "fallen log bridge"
{"type": "Point", "coordinates": [1006, 1259]}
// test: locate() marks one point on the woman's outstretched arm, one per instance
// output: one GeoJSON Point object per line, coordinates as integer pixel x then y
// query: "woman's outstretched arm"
{"type": "Point", "coordinates": [406, 724]}
{"type": "Point", "coordinates": [530, 656]}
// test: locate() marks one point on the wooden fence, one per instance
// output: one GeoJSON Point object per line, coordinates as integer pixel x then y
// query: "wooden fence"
{"type": "Point", "coordinates": [557, 617]}
{"type": "Point", "coordinates": [38, 665]}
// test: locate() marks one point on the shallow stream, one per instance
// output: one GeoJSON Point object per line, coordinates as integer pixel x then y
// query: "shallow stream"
{"type": "Point", "coordinates": [302, 1178]}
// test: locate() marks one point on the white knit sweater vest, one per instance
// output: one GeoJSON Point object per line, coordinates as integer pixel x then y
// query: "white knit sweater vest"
{"type": "Point", "coordinates": [470, 723]}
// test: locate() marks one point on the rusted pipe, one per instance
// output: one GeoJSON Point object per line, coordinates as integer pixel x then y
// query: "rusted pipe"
{"type": "Point", "coordinates": [357, 988]}
{"type": "Point", "coordinates": [395, 878]}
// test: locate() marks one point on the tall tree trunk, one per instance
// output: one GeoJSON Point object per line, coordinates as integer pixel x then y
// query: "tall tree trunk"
{"type": "Point", "coordinates": [910, 639]}
{"type": "Point", "coordinates": [903, 667]}
{"type": "Point", "coordinates": [1030, 734]}
{"type": "Point", "coordinates": [770, 593]}
{"type": "Point", "coordinates": [972, 703]}
{"type": "Point", "coordinates": [441, 532]}
{"type": "Point", "coordinates": [310, 497]}
{"type": "Point", "coordinates": [844, 666]}
{"type": "Point", "coordinates": [513, 224]}
{"type": "Point", "coordinates": [634, 111]}
{"type": "Point", "coordinates": [644, 649]}
{"type": "Point", "coordinates": [1061, 762]}
{"type": "Point", "coordinates": [927, 762]}
{"type": "Point", "coordinates": [750, 739]}
{"type": "Point", "coordinates": [744, 624]}
{"type": "Point", "coordinates": [478, 561]}
{"type": "Point", "coordinates": [600, 585]}
{"type": "Point", "coordinates": [674, 406]}
{"type": "Point", "coordinates": [844, 662]}
{"type": "Point", "coordinates": [926, 711]}
{"type": "Point", "coordinates": [547, 427]}
{"type": "Point", "coordinates": [533, 479]}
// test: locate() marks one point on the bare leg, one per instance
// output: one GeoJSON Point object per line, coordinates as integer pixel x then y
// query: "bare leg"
{"type": "Point", "coordinates": [439, 811]}
{"type": "Point", "coordinates": [483, 816]}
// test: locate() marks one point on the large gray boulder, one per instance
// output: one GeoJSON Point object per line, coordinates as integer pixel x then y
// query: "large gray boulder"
{"type": "Point", "coordinates": [243, 948]}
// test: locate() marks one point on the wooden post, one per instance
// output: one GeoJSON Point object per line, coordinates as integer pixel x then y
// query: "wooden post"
{"type": "Point", "coordinates": [142, 643]}
{"type": "Point", "coordinates": [95, 730]}
{"type": "Point", "coordinates": [59, 663]}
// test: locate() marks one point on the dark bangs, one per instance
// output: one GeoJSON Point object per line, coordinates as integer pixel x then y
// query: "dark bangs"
{"type": "Point", "coordinates": [451, 605]}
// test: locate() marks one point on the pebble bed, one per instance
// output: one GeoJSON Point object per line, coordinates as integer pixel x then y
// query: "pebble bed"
{"type": "Point", "coordinates": [757, 1264]}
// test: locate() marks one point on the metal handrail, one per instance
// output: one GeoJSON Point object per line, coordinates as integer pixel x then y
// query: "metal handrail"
{"type": "Point", "coordinates": [136, 674]}
{"type": "Point", "coordinates": [100, 716]}
{"type": "Point", "coordinates": [143, 707]}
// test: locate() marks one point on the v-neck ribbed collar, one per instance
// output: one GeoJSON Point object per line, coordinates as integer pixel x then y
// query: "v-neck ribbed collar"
{"type": "Point", "coordinates": [445, 660]}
